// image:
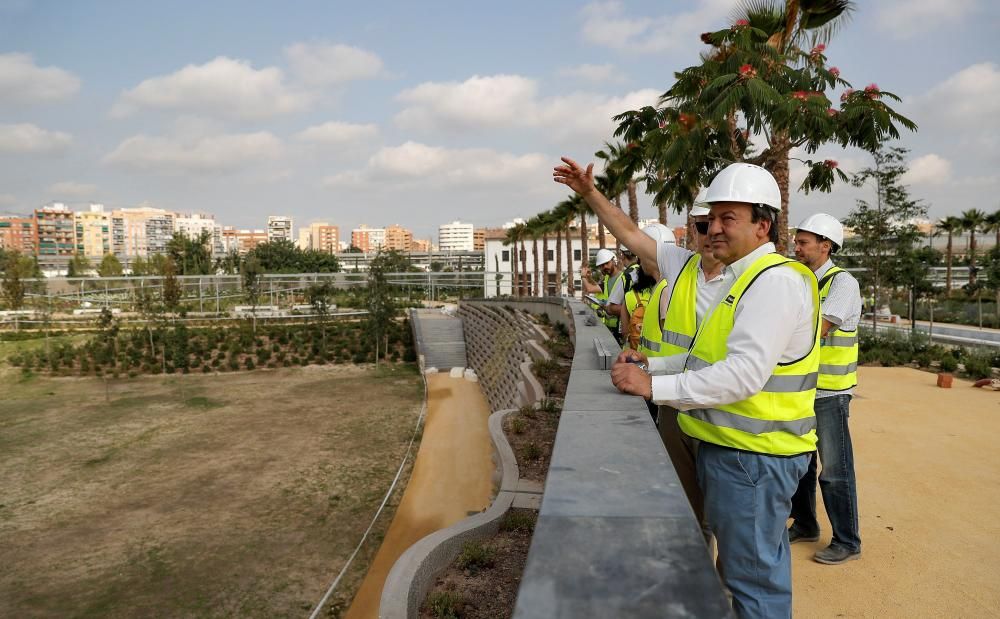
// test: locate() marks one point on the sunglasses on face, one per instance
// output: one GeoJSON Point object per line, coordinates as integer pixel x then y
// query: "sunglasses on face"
{"type": "Point", "coordinates": [701, 227]}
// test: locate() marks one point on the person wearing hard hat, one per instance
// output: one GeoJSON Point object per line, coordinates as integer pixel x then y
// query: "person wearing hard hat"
{"type": "Point", "coordinates": [817, 238]}
{"type": "Point", "coordinates": [607, 263]}
{"type": "Point", "coordinates": [747, 391]}
{"type": "Point", "coordinates": [616, 298]}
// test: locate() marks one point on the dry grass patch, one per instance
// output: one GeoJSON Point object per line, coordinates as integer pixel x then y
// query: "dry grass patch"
{"type": "Point", "coordinates": [230, 495]}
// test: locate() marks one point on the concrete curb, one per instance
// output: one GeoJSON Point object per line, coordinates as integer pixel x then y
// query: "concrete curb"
{"type": "Point", "coordinates": [413, 573]}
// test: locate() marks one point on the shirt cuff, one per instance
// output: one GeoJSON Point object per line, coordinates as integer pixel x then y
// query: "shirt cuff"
{"type": "Point", "coordinates": [664, 389]}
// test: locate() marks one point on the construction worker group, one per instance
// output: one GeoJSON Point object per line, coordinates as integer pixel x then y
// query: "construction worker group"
{"type": "Point", "coordinates": [748, 361]}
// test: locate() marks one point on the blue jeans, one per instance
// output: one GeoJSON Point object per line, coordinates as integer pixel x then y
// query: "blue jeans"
{"type": "Point", "coordinates": [836, 480]}
{"type": "Point", "coordinates": [747, 500]}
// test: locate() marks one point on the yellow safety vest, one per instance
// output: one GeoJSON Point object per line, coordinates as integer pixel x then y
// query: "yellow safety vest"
{"type": "Point", "coordinates": [779, 420]}
{"type": "Point", "coordinates": [606, 287]}
{"type": "Point", "coordinates": [651, 341]}
{"type": "Point", "coordinates": [838, 351]}
{"type": "Point", "coordinates": [681, 323]}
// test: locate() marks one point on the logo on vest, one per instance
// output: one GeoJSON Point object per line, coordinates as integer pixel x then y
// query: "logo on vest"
{"type": "Point", "coordinates": [729, 300]}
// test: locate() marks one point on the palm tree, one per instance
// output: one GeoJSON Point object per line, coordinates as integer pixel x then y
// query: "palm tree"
{"type": "Point", "coordinates": [511, 239]}
{"type": "Point", "coordinates": [534, 229]}
{"type": "Point", "coordinates": [993, 225]}
{"type": "Point", "coordinates": [567, 212]}
{"type": "Point", "coordinates": [973, 221]}
{"type": "Point", "coordinates": [949, 225]}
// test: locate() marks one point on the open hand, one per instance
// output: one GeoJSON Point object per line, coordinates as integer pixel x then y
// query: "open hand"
{"type": "Point", "coordinates": [578, 179]}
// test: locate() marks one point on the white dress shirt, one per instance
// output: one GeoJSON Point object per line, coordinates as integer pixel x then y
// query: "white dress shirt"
{"type": "Point", "coordinates": [670, 260]}
{"type": "Point", "coordinates": [773, 323]}
{"type": "Point", "coordinates": [842, 308]}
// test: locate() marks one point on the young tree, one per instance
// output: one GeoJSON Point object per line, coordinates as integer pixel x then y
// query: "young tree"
{"type": "Point", "coordinates": [319, 295]}
{"type": "Point", "coordinates": [758, 95]}
{"type": "Point", "coordinates": [16, 268]}
{"type": "Point", "coordinates": [191, 256]}
{"type": "Point", "coordinates": [110, 266]}
{"type": "Point", "coordinates": [171, 291]}
{"type": "Point", "coordinates": [949, 225]}
{"type": "Point", "coordinates": [378, 300]}
{"type": "Point", "coordinates": [78, 266]}
{"type": "Point", "coordinates": [884, 228]}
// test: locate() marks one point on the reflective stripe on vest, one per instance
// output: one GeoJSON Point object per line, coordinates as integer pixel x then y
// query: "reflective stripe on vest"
{"type": "Point", "coordinates": [611, 321]}
{"type": "Point", "coordinates": [778, 420]}
{"type": "Point", "coordinates": [838, 353]}
{"type": "Point", "coordinates": [681, 320]}
{"type": "Point", "coordinates": [651, 338]}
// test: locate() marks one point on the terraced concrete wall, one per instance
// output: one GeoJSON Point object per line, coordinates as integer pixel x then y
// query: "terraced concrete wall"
{"type": "Point", "coordinates": [501, 342]}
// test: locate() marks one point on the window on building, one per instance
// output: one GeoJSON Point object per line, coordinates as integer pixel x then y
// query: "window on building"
{"type": "Point", "coordinates": [550, 255]}
{"type": "Point", "coordinates": [576, 254]}
{"type": "Point", "coordinates": [505, 255]}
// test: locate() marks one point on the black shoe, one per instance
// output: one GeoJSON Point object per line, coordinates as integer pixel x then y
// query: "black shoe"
{"type": "Point", "coordinates": [794, 535]}
{"type": "Point", "coordinates": [834, 554]}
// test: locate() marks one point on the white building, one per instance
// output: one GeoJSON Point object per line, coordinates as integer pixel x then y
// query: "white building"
{"type": "Point", "coordinates": [499, 261]}
{"type": "Point", "coordinates": [456, 236]}
{"type": "Point", "coordinates": [279, 227]}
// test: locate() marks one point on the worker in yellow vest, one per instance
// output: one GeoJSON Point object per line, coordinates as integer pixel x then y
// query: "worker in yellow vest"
{"type": "Point", "coordinates": [607, 263]}
{"type": "Point", "coordinates": [748, 385]}
{"type": "Point", "coordinates": [817, 238]}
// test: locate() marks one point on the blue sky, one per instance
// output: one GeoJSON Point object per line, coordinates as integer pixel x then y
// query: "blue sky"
{"type": "Point", "coordinates": [420, 113]}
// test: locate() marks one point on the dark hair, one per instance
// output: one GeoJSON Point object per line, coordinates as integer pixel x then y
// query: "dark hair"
{"type": "Point", "coordinates": [644, 281]}
{"type": "Point", "coordinates": [820, 238]}
{"type": "Point", "coordinates": [759, 212]}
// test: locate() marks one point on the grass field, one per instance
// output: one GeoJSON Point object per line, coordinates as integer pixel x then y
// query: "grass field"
{"type": "Point", "coordinates": [211, 496]}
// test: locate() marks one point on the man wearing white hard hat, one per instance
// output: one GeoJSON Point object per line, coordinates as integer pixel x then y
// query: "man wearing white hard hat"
{"type": "Point", "coordinates": [748, 387]}
{"type": "Point", "coordinates": [616, 298]}
{"type": "Point", "coordinates": [817, 237]}
{"type": "Point", "coordinates": [607, 263]}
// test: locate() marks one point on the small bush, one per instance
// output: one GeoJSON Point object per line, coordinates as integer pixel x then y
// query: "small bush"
{"type": "Point", "coordinates": [517, 426]}
{"type": "Point", "coordinates": [977, 366]}
{"type": "Point", "coordinates": [531, 451]}
{"type": "Point", "coordinates": [475, 557]}
{"type": "Point", "coordinates": [948, 363]}
{"type": "Point", "coordinates": [444, 604]}
{"type": "Point", "coordinates": [518, 520]}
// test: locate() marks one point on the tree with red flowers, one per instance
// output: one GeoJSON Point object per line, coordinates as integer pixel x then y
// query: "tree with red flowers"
{"type": "Point", "coordinates": [763, 90]}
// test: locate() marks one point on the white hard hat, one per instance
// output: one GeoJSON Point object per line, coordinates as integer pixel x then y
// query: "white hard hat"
{"type": "Point", "coordinates": [604, 256]}
{"type": "Point", "coordinates": [659, 233]}
{"type": "Point", "coordinates": [747, 183]}
{"type": "Point", "coordinates": [826, 226]}
{"type": "Point", "coordinates": [623, 249]}
{"type": "Point", "coordinates": [700, 208]}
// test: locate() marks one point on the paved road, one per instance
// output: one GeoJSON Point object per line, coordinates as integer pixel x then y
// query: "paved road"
{"type": "Point", "coordinates": [946, 333]}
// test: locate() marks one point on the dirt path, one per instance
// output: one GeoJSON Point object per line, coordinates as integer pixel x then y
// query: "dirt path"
{"type": "Point", "coordinates": [452, 477]}
{"type": "Point", "coordinates": [928, 471]}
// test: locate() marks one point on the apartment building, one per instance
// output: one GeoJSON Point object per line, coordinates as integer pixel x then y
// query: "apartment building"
{"type": "Point", "coordinates": [56, 233]}
{"type": "Point", "coordinates": [398, 238]}
{"type": "Point", "coordinates": [194, 225]}
{"type": "Point", "coordinates": [279, 228]}
{"type": "Point", "coordinates": [93, 232]}
{"type": "Point", "coordinates": [18, 234]}
{"type": "Point", "coordinates": [320, 236]}
{"type": "Point", "coordinates": [456, 236]}
{"type": "Point", "coordinates": [242, 241]}
{"type": "Point", "coordinates": [368, 239]}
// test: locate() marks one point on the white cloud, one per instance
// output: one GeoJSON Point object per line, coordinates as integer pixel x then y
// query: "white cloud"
{"type": "Point", "coordinates": [593, 73]}
{"type": "Point", "coordinates": [218, 154]}
{"type": "Point", "coordinates": [22, 81]}
{"type": "Point", "coordinates": [506, 101]}
{"type": "Point", "coordinates": [930, 169]}
{"type": "Point", "coordinates": [606, 24]}
{"type": "Point", "coordinates": [969, 98]}
{"type": "Point", "coordinates": [25, 138]}
{"type": "Point", "coordinates": [72, 189]}
{"type": "Point", "coordinates": [325, 64]}
{"type": "Point", "coordinates": [906, 18]}
{"type": "Point", "coordinates": [338, 133]}
{"type": "Point", "coordinates": [221, 87]}
{"type": "Point", "coordinates": [416, 163]}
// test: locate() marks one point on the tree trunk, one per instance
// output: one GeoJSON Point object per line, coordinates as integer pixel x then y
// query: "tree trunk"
{"type": "Point", "coordinates": [780, 144]}
{"type": "Point", "coordinates": [972, 257]}
{"type": "Point", "coordinates": [558, 261]}
{"type": "Point", "coordinates": [662, 213]}
{"type": "Point", "coordinates": [524, 269]}
{"type": "Point", "coordinates": [947, 272]}
{"type": "Point", "coordinates": [584, 240]}
{"type": "Point", "coordinates": [570, 289]}
{"type": "Point", "coordinates": [513, 269]}
{"type": "Point", "coordinates": [633, 203]}
{"type": "Point", "coordinates": [545, 265]}
{"type": "Point", "coordinates": [534, 264]}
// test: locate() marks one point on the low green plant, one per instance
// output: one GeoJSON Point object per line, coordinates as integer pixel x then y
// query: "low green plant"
{"type": "Point", "coordinates": [444, 604]}
{"type": "Point", "coordinates": [977, 366]}
{"type": "Point", "coordinates": [531, 451]}
{"type": "Point", "coordinates": [948, 363]}
{"type": "Point", "coordinates": [517, 520]}
{"type": "Point", "coordinates": [517, 426]}
{"type": "Point", "coordinates": [476, 556]}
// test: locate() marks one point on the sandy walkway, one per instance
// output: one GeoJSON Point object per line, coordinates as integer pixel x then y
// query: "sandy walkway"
{"type": "Point", "coordinates": [928, 469]}
{"type": "Point", "coordinates": [452, 477]}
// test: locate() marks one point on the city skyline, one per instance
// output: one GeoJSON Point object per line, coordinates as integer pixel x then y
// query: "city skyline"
{"type": "Point", "coordinates": [371, 114]}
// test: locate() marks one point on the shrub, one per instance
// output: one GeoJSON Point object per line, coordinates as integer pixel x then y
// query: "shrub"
{"type": "Point", "coordinates": [949, 363]}
{"type": "Point", "coordinates": [475, 557]}
{"type": "Point", "coordinates": [444, 604]}
{"type": "Point", "coordinates": [249, 363]}
{"type": "Point", "coordinates": [518, 520]}
{"type": "Point", "coordinates": [977, 366]}
{"type": "Point", "coordinates": [517, 426]}
{"type": "Point", "coordinates": [531, 451]}
{"type": "Point", "coordinates": [206, 369]}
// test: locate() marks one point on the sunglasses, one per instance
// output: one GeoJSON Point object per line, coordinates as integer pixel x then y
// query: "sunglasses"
{"type": "Point", "coordinates": [701, 227]}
